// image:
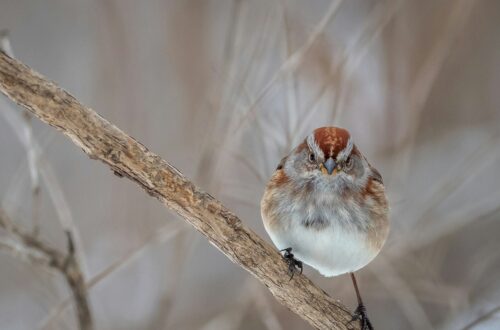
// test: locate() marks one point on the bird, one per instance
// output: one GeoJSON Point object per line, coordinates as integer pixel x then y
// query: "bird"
{"type": "Point", "coordinates": [326, 206]}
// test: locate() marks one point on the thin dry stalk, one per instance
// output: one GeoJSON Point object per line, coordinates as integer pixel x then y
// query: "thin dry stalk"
{"type": "Point", "coordinates": [378, 19]}
{"type": "Point", "coordinates": [40, 253]}
{"type": "Point", "coordinates": [232, 317]}
{"type": "Point", "coordinates": [264, 39]}
{"type": "Point", "coordinates": [453, 180]}
{"type": "Point", "coordinates": [56, 194]}
{"type": "Point", "coordinates": [427, 74]}
{"type": "Point", "coordinates": [39, 167]}
{"type": "Point", "coordinates": [402, 293]}
{"type": "Point", "coordinates": [126, 157]}
{"type": "Point", "coordinates": [346, 65]}
{"type": "Point", "coordinates": [265, 309]}
{"type": "Point", "coordinates": [27, 130]}
{"type": "Point", "coordinates": [455, 221]}
{"type": "Point", "coordinates": [442, 189]}
{"type": "Point", "coordinates": [163, 235]}
{"type": "Point", "coordinates": [291, 63]}
{"type": "Point", "coordinates": [292, 93]}
{"type": "Point", "coordinates": [482, 318]}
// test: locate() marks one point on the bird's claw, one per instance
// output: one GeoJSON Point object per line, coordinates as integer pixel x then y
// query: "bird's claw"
{"type": "Point", "coordinates": [361, 316]}
{"type": "Point", "coordinates": [293, 264]}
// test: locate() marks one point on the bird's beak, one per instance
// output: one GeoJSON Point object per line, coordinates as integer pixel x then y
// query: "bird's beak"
{"type": "Point", "coordinates": [329, 166]}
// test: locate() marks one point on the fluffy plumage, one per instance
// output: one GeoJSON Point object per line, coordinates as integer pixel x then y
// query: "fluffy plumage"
{"type": "Point", "coordinates": [335, 222]}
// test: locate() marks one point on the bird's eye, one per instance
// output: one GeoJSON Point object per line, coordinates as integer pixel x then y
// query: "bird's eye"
{"type": "Point", "coordinates": [312, 158]}
{"type": "Point", "coordinates": [348, 164]}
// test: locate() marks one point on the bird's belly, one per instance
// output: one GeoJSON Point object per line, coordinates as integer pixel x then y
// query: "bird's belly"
{"type": "Point", "coordinates": [332, 251]}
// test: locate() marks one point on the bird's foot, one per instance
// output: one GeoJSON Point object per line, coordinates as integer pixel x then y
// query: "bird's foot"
{"type": "Point", "coordinates": [293, 264]}
{"type": "Point", "coordinates": [361, 316]}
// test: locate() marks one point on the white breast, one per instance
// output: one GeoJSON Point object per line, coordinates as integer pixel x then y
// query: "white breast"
{"type": "Point", "coordinates": [332, 251]}
{"type": "Point", "coordinates": [338, 247]}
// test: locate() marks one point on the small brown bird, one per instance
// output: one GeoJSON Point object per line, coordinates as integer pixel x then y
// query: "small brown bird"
{"type": "Point", "coordinates": [325, 205]}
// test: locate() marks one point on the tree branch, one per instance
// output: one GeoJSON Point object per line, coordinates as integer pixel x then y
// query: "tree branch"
{"type": "Point", "coordinates": [127, 157]}
{"type": "Point", "coordinates": [38, 252]}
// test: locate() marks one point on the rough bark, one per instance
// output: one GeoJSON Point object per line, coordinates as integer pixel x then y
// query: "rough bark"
{"type": "Point", "coordinates": [126, 157]}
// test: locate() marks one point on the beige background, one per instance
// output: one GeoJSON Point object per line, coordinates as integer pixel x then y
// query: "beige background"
{"type": "Point", "coordinates": [416, 82]}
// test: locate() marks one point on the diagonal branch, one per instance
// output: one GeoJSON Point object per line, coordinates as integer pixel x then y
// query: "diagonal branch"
{"type": "Point", "coordinates": [126, 157]}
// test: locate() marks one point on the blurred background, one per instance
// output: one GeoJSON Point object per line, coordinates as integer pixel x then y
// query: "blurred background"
{"type": "Point", "coordinates": [222, 90]}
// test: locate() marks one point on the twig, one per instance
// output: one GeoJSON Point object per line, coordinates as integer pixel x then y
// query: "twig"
{"type": "Point", "coordinates": [127, 157]}
{"type": "Point", "coordinates": [40, 253]}
{"type": "Point", "coordinates": [48, 177]}
{"type": "Point", "coordinates": [162, 235]}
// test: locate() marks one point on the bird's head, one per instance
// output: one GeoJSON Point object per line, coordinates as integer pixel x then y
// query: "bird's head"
{"type": "Point", "coordinates": [329, 159]}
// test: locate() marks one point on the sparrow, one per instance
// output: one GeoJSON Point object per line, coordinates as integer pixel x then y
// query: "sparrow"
{"type": "Point", "coordinates": [325, 205]}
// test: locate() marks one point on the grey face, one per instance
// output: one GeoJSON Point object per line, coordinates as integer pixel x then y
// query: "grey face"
{"type": "Point", "coordinates": [305, 164]}
{"type": "Point", "coordinates": [354, 167]}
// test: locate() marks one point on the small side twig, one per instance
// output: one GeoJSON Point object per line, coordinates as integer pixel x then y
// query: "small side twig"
{"type": "Point", "coordinates": [162, 235]}
{"type": "Point", "coordinates": [33, 249]}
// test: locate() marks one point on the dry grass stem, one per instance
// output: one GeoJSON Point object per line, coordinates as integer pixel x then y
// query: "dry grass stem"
{"type": "Point", "coordinates": [427, 74]}
{"type": "Point", "coordinates": [482, 318]}
{"type": "Point", "coordinates": [40, 253]}
{"type": "Point", "coordinates": [343, 69]}
{"type": "Point", "coordinates": [39, 167]}
{"type": "Point", "coordinates": [163, 235]}
{"type": "Point", "coordinates": [291, 63]}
